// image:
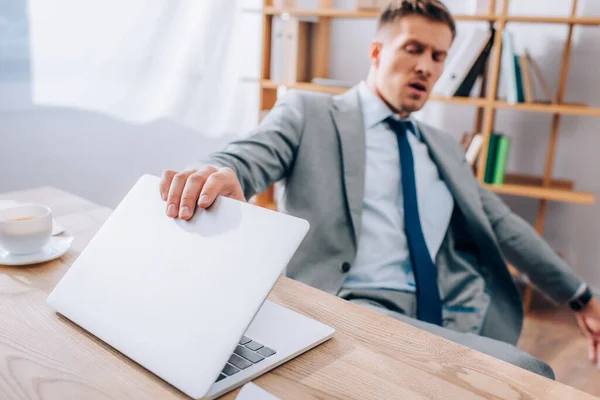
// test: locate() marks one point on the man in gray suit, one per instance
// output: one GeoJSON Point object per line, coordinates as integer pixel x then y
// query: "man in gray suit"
{"type": "Point", "coordinates": [398, 222]}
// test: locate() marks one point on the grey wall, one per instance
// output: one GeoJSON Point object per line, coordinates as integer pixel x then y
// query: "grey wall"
{"type": "Point", "coordinates": [88, 154]}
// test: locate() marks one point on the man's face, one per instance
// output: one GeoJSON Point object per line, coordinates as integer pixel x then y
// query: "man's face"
{"type": "Point", "coordinates": [408, 58]}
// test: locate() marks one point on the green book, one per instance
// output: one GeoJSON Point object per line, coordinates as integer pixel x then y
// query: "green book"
{"type": "Point", "coordinates": [491, 158]}
{"type": "Point", "coordinates": [502, 151]}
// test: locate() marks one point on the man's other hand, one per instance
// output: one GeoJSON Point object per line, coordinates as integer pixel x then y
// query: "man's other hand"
{"type": "Point", "coordinates": [184, 190]}
{"type": "Point", "coordinates": [589, 322]}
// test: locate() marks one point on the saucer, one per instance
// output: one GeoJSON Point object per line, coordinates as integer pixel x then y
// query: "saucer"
{"type": "Point", "coordinates": [57, 228]}
{"type": "Point", "coordinates": [54, 249]}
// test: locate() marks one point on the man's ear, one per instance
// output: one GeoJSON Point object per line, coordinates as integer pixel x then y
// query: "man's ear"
{"type": "Point", "coordinates": [375, 52]}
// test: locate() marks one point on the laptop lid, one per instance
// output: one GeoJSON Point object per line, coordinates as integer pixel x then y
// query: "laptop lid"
{"type": "Point", "coordinates": [175, 296]}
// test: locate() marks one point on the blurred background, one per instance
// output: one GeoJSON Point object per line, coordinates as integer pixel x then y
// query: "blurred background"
{"type": "Point", "coordinates": [93, 94]}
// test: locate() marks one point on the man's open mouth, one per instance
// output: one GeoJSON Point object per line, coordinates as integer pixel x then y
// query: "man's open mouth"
{"type": "Point", "coordinates": [418, 86]}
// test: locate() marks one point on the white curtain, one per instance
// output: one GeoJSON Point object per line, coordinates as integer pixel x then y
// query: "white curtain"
{"type": "Point", "coordinates": [142, 60]}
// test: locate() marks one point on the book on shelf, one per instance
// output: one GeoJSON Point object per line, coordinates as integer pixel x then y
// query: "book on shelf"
{"type": "Point", "coordinates": [509, 66]}
{"type": "Point", "coordinates": [477, 69]}
{"type": "Point", "coordinates": [466, 64]}
{"type": "Point", "coordinates": [477, 7]}
{"type": "Point", "coordinates": [306, 4]}
{"type": "Point", "coordinates": [469, 62]}
{"type": "Point", "coordinates": [371, 4]}
{"type": "Point", "coordinates": [333, 82]}
{"type": "Point", "coordinates": [284, 3]}
{"type": "Point", "coordinates": [465, 140]}
{"type": "Point", "coordinates": [520, 72]}
{"type": "Point", "coordinates": [502, 151]}
{"type": "Point", "coordinates": [528, 89]}
{"type": "Point", "coordinates": [519, 80]}
{"type": "Point", "coordinates": [497, 159]}
{"type": "Point", "coordinates": [474, 149]}
{"type": "Point", "coordinates": [471, 144]}
{"type": "Point", "coordinates": [491, 158]}
{"type": "Point", "coordinates": [277, 47]}
{"type": "Point", "coordinates": [290, 49]}
{"type": "Point", "coordinates": [537, 72]}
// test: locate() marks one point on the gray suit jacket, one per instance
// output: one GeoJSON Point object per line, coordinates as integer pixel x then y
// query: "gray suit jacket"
{"type": "Point", "coordinates": [316, 143]}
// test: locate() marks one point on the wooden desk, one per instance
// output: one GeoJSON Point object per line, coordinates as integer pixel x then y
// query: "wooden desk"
{"type": "Point", "coordinates": [371, 357]}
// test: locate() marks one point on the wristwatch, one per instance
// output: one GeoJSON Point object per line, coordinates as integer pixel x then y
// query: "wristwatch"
{"type": "Point", "coordinates": [580, 302]}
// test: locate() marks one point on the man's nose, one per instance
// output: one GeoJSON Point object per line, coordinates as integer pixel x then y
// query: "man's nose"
{"type": "Point", "coordinates": [425, 65]}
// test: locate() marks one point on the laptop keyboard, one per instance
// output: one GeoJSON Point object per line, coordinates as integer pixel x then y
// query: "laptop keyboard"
{"type": "Point", "coordinates": [247, 353]}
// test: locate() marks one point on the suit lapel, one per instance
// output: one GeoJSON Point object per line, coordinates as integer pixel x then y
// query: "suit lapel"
{"type": "Point", "coordinates": [465, 193]}
{"type": "Point", "coordinates": [347, 118]}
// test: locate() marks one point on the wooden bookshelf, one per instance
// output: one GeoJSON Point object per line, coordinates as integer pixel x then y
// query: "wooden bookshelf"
{"type": "Point", "coordinates": [543, 188]}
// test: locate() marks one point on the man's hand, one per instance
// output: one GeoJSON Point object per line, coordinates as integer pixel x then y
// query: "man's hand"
{"type": "Point", "coordinates": [184, 190]}
{"type": "Point", "coordinates": [589, 322]}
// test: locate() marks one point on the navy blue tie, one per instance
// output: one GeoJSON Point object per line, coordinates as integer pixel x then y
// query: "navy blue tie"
{"type": "Point", "coordinates": [429, 304]}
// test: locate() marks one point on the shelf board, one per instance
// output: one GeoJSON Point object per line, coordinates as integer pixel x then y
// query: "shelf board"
{"type": "Point", "coordinates": [537, 192]}
{"type": "Point", "coordinates": [567, 109]}
{"type": "Point", "coordinates": [265, 83]}
{"type": "Point", "coordinates": [322, 12]}
{"type": "Point", "coordinates": [372, 14]}
{"type": "Point", "coordinates": [357, 14]}
{"type": "Point", "coordinates": [554, 20]}
{"type": "Point", "coordinates": [474, 101]}
{"type": "Point", "coordinates": [534, 180]}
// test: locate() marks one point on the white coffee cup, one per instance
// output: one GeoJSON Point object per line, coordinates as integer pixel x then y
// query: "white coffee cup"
{"type": "Point", "coordinates": [25, 229]}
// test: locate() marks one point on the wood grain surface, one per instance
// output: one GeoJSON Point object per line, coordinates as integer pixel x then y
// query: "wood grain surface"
{"type": "Point", "coordinates": [43, 356]}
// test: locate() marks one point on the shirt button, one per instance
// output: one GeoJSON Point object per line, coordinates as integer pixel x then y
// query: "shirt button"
{"type": "Point", "coordinates": [345, 267]}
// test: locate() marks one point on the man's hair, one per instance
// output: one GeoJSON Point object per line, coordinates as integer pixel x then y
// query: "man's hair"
{"type": "Point", "coordinates": [434, 10]}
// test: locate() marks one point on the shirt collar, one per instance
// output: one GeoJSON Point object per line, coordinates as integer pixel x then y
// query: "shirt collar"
{"type": "Point", "coordinates": [374, 110]}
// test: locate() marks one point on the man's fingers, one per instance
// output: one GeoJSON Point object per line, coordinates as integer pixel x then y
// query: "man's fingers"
{"type": "Point", "coordinates": [212, 188]}
{"type": "Point", "coordinates": [223, 182]}
{"type": "Point", "coordinates": [592, 339]}
{"type": "Point", "coordinates": [584, 327]}
{"type": "Point", "coordinates": [165, 183]}
{"type": "Point", "coordinates": [175, 192]}
{"type": "Point", "coordinates": [191, 192]}
{"type": "Point", "coordinates": [183, 191]}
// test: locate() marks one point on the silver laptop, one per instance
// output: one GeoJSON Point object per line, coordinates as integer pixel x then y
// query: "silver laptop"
{"type": "Point", "coordinates": [186, 299]}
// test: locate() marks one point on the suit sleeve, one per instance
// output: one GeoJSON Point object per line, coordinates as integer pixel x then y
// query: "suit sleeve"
{"type": "Point", "coordinates": [268, 153]}
{"type": "Point", "coordinates": [528, 252]}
